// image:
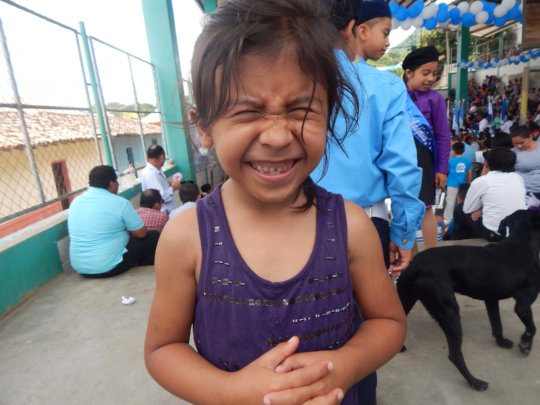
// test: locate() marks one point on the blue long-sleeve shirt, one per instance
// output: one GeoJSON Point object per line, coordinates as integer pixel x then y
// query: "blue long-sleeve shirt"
{"type": "Point", "coordinates": [380, 159]}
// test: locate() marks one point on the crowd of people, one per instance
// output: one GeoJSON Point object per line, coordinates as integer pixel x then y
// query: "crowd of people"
{"type": "Point", "coordinates": [282, 270]}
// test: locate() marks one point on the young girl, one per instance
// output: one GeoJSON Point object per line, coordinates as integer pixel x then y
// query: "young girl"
{"type": "Point", "coordinates": [420, 67]}
{"type": "Point", "coordinates": [267, 268]}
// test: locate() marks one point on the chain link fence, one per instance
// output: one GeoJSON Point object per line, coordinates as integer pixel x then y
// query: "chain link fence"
{"type": "Point", "coordinates": [49, 122]}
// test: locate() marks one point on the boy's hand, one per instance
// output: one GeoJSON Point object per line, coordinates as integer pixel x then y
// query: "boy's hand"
{"type": "Point", "coordinates": [399, 257]}
{"type": "Point", "coordinates": [440, 180]}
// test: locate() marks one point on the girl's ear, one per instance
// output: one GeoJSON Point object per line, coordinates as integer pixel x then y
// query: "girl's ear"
{"type": "Point", "coordinates": [204, 135]}
{"type": "Point", "coordinates": [409, 73]}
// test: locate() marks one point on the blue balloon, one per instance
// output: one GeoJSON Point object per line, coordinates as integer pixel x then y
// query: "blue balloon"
{"type": "Point", "coordinates": [401, 14]}
{"type": "Point", "coordinates": [455, 16]}
{"type": "Point", "coordinates": [523, 58]}
{"type": "Point", "coordinates": [443, 6]}
{"type": "Point", "coordinates": [430, 23]}
{"type": "Point", "coordinates": [394, 6]}
{"type": "Point", "coordinates": [489, 65]}
{"type": "Point", "coordinates": [470, 64]}
{"type": "Point", "coordinates": [415, 9]}
{"type": "Point", "coordinates": [491, 7]}
{"type": "Point", "coordinates": [485, 5]}
{"type": "Point", "coordinates": [499, 21]}
{"type": "Point", "coordinates": [468, 19]}
{"type": "Point", "coordinates": [513, 13]}
{"type": "Point", "coordinates": [496, 60]}
{"type": "Point", "coordinates": [442, 15]}
{"type": "Point", "coordinates": [490, 18]}
{"type": "Point", "coordinates": [520, 19]}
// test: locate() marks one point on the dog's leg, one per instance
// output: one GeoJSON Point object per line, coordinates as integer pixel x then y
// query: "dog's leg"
{"type": "Point", "coordinates": [440, 302]}
{"type": "Point", "coordinates": [406, 294]}
{"type": "Point", "coordinates": [496, 324]}
{"type": "Point", "coordinates": [524, 300]}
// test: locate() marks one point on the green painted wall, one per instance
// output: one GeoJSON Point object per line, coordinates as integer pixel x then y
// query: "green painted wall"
{"type": "Point", "coordinates": [29, 265]}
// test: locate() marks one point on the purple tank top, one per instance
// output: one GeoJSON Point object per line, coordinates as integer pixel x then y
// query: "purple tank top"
{"type": "Point", "coordinates": [239, 316]}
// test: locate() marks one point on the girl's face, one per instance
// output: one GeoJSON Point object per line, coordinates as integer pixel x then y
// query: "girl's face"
{"type": "Point", "coordinates": [259, 141]}
{"type": "Point", "coordinates": [423, 77]}
{"type": "Point", "coordinates": [523, 143]}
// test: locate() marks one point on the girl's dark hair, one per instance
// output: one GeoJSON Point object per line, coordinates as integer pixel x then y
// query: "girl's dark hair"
{"type": "Point", "coordinates": [265, 28]}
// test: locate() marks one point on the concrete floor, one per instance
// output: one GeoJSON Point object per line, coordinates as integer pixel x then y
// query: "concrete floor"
{"type": "Point", "coordinates": [75, 343]}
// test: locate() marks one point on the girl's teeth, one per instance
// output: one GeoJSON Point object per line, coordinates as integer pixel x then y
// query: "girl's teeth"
{"type": "Point", "coordinates": [271, 170]}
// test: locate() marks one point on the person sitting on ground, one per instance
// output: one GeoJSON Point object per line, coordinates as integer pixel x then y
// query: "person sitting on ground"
{"type": "Point", "coordinates": [459, 172]}
{"type": "Point", "coordinates": [150, 211]}
{"type": "Point", "coordinates": [153, 177]}
{"type": "Point", "coordinates": [455, 229]}
{"type": "Point", "coordinates": [527, 158]}
{"type": "Point", "coordinates": [206, 189]}
{"type": "Point", "coordinates": [493, 196]}
{"type": "Point", "coordinates": [107, 237]}
{"type": "Point", "coordinates": [189, 193]}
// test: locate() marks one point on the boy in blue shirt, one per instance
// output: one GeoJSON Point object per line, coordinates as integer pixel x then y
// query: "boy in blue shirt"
{"type": "Point", "coordinates": [459, 172]}
{"type": "Point", "coordinates": [378, 159]}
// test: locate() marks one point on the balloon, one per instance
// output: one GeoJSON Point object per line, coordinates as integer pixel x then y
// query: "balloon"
{"type": "Point", "coordinates": [393, 5]}
{"type": "Point", "coordinates": [482, 17]}
{"type": "Point", "coordinates": [508, 4]}
{"type": "Point", "coordinates": [455, 16]}
{"type": "Point", "coordinates": [476, 7]}
{"type": "Point", "coordinates": [442, 15]}
{"type": "Point", "coordinates": [468, 19]}
{"type": "Point", "coordinates": [395, 23]}
{"type": "Point", "coordinates": [415, 9]}
{"type": "Point", "coordinates": [430, 23]}
{"type": "Point", "coordinates": [429, 11]}
{"type": "Point", "coordinates": [489, 65]}
{"type": "Point", "coordinates": [418, 21]}
{"type": "Point", "coordinates": [499, 11]}
{"type": "Point", "coordinates": [513, 13]}
{"type": "Point", "coordinates": [463, 7]}
{"type": "Point", "coordinates": [405, 25]}
{"type": "Point", "coordinates": [523, 58]}
{"type": "Point", "coordinates": [499, 21]}
{"type": "Point", "coordinates": [401, 14]}
{"type": "Point", "coordinates": [496, 60]}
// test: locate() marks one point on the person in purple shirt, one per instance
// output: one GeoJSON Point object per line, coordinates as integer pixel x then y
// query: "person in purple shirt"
{"type": "Point", "coordinates": [421, 67]}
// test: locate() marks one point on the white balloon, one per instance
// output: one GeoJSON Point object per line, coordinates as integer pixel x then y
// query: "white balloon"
{"type": "Point", "coordinates": [444, 24]}
{"type": "Point", "coordinates": [476, 7]}
{"type": "Point", "coordinates": [482, 17]}
{"type": "Point", "coordinates": [418, 21]}
{"type": "Point", "coordinates": [463, 7]}
{"type": "Point", "coordinates": [500, 10]}
{"type": "Point", "coordinates": [406, 24]}
{"type": "Point", "coordinates": [395, 23]}
{"type": "Point", "coordinates": [521, 7]}
{"type": "Point", "coordinates": [429, 11]}
{"type": "Point", "coordinates": [508, 4]}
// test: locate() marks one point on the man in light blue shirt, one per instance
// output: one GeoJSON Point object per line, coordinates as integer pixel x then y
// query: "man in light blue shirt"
{"type": "Point", "coordinates": [378, 160]}
{"type": "Point", "coordinates": [107, 237]}
{"type": "Point", "coordinates": [153, 177]}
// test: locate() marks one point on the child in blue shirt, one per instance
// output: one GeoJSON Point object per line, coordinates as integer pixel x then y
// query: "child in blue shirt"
{"type": "Point", "coordinates": [459, 172]}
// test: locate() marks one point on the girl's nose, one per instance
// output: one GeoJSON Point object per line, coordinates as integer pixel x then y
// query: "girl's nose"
{"type": "Point", "coordinates": [276, 133]}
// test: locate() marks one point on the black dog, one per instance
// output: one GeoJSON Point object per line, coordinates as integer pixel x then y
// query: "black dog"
{"type": "Point", "coordinates": [510, 268]}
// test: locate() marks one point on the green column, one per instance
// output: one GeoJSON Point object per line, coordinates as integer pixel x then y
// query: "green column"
{"type": "Point", "coordinates": [163, 47]}
{"type": "Point", "coordinates": [210, 6]}
{"type": "Point", "coordinates": [463, 40]}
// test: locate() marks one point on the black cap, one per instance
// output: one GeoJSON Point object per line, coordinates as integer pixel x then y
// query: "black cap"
{"type": "Point", "coordinates": [420, 56]}
{"type": "Point", "coordinates": [373, 9]}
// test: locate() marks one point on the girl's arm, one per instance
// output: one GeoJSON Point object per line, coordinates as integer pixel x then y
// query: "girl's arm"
{"type": "Point", "coordinates": [383, 330]}
{"type": "Point", "coordinates": [169, 358]}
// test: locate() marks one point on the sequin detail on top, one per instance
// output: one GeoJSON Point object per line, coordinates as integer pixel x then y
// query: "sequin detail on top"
{"type": "Point", "coordinates": [239, 316]}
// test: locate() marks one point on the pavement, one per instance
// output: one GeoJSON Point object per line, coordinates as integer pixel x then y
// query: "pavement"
{"type": "Point", "coordinates": [74, 342]}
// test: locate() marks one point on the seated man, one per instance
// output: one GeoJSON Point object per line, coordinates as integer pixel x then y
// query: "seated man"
{"type": "Point", "coordinates": [107, 237]}
{"type": "Point", "coordinates": [153, 177]}
{"type": "Point", "coordinates": [494, 195]}
{"type": "Point", "coordinates": [188, 193]}
{"type": "Point", "coordinates": [150, 211]}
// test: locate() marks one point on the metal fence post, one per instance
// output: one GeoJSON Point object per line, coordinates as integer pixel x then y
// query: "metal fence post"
{"type": "Point", "coordinates": [97, 99]}
{"type": "Point", "coordinates": [20, 114]}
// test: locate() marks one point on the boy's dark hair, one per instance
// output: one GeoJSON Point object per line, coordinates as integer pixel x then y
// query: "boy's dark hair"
{"type": "Point", "coordinates": [501, 159]}
{"type": "Point", "coordinates": [188, 191]}
{"type": "Point", "coordinates": [501, 140]}
{"type": "Point", "coordinates": [458, 148]}
{"type": "Point", "coordinates": [101, 176]}
{"type": "Point", "coordinates": [462, 191]}
{"type": "Point", "coordinates": [206, 188]}
{"type": "Point", "coordinates": [265, 28]}
{"type": "Point", "coordinates": [150, 197]}
{"type": "Point", "coordinates": [154, 151]}
{"type": "Point", "coordinates": [523, 131]}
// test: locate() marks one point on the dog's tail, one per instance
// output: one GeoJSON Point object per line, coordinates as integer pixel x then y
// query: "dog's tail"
{"type": "Point", "coordinates": [405, 288]}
